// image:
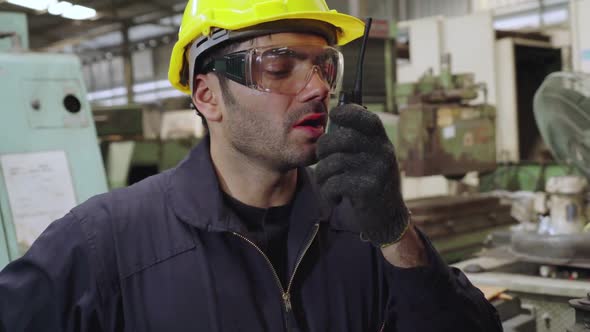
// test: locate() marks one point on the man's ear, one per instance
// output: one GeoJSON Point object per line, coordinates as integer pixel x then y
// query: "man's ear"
{"type": "Point", "coordinates": [206, 94]}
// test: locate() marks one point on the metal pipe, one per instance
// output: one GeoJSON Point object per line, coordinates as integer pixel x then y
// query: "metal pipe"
{"type": "Point", "coordinates": [402, 10]}
{"type": "Point", "coordinates": [391, 69]}
{"type": "Point", "coordinates": [354, 7]}
{"type": "Point", "coordinates": [127, 63]}
{"type": "Point", "coordinates": [541, 13]}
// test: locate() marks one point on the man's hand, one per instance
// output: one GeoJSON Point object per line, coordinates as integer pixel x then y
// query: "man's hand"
{"type": "Point", "coordinates": [357, 161]}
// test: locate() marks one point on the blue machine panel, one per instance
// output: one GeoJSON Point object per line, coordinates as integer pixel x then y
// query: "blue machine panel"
{"type": "Point", "coordinates": [42, 96]}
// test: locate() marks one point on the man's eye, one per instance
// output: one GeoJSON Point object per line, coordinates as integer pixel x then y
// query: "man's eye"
{"type": "Point", "coordinates": [277, 74]}
{"type": "Point", "coordinates": [279, 67]}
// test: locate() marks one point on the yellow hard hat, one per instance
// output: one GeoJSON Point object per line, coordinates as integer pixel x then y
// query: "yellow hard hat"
{"type": "Point", "coordinates": [201, 17]}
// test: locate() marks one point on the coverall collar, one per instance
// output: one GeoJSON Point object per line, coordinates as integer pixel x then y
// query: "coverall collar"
{"type": "Point", "coordinates": [196, 198]}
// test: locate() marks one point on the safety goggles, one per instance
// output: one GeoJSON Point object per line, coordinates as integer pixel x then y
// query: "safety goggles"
{"type": "Point", "coordinates": [284, 70]}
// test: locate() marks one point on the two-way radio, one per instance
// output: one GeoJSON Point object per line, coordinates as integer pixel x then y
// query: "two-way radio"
{"type": "Point", "coordinates": [356, 95]}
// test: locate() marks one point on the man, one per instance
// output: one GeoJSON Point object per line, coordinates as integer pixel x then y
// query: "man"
{"type": "Point", "coordinates": [241, 236]}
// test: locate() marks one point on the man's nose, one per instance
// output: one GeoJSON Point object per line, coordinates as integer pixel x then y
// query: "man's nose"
{"type": "Point", "coordinates": [316, 88]}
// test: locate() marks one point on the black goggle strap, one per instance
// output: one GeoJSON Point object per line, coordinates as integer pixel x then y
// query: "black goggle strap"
{"type": "Point", "coordinates": [232, 66]}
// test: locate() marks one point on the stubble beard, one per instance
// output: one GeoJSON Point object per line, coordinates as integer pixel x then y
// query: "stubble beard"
{"type": "Point", "coordinates": [254, 137]}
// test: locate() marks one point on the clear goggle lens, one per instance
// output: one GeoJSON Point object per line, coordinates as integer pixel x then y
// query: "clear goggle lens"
{"type": "Point", "coordinates": [283, 70]}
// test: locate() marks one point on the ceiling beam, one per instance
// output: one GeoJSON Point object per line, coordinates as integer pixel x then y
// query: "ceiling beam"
{"type": "Point", "coordinates": [118, 49]}
{"type": "Point", "coordinates": [111, 27]}
{"type": "Point", "coordinates": [61, 43]}
{"type": "Point", "coordinates": [108, 13]}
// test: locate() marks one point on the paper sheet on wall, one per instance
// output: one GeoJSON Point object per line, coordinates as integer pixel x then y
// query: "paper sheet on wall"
{"type": "Point", "coordinates": [39, 189]}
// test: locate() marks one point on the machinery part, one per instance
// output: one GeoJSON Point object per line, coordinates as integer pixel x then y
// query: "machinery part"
{"type": "Point", "coordinates": [72, 104]}
{"type": "Point", "coordinates": [543, 295]}
{"type": "Point", "coordinates": [567, 204]}
{"type": "Point", "coordinates": [202, 17]}
{"type": "Point", "coordinates": [562, 113]}
{"type": "Point", "coordinates": [446, 139]}
{"type": "Point", "coordinates": [566, 185]}
{"type": "Point", "coordinates": [458, 225]}
{"type": "Point", "coordinates": [440, 132]}
{"type": "Point", "coordinates": [515, 316]}
{"type": "Point", "coordinates": [547, 320]}
{"type": "Point", "coordinates": [520, 177]}
{"type": "Point", "coordinates": [582, 307]}
{"type": "Point", "coordinates": [552, 249]}
{"type": "Point", "coordinates": [446, 72]}
{"type": "Point", "coordinates": [440, 89]}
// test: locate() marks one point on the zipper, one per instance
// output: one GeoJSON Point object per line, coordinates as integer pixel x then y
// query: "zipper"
{"type": "Point", "coordinates": [315, 232]}
{"type": "Point", "coordinates": [285, 294]}
{"type": "Point", "coordinates": [382, 329]}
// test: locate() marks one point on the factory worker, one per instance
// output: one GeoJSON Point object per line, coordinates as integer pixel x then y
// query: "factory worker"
{"type": "Point", "coordinates": [242, 235]}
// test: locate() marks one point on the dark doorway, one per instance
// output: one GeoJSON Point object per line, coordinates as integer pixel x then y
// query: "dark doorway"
{"type": "Point", "coordinates": [533, 64]}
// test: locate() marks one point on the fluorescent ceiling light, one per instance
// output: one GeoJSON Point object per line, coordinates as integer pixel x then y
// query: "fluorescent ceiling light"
{"type": "Point", "coordinates": [58, 8]}
{"type": "Point", "coordinates": [55, 7]}
{"type": "Point", "coordinates": [555, 16]}
{"type": "Point", "coordinates": [32, 4]}
{"type": "Point", "coordinates": [79, 13]}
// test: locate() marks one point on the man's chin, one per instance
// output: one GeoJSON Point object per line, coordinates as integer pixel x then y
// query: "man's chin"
{"type": "Point", "coordinates": [304, 160]}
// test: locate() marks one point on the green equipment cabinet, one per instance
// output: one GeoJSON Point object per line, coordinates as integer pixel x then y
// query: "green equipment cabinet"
{"type": "Point", "coordinates": [49, 155]}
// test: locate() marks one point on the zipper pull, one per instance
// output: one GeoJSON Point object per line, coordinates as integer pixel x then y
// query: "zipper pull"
{"type": "Point", "coordinates": [287, 300]}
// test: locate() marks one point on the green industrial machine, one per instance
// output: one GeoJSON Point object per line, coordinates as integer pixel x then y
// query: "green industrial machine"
{"type": "Point", "coordinates": [523, 176]}
{"type": "Point", "coordinates": [441, 130]}
{"type": "Point", "coordinates": [49, 155]}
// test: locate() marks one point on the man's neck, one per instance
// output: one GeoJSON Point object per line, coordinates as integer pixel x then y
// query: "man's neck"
{"type": "Point", "coordinates": [252, 183]}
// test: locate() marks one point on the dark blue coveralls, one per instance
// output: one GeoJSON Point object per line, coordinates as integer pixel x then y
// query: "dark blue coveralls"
{"type": "Point", "coordinates": [169, 255]}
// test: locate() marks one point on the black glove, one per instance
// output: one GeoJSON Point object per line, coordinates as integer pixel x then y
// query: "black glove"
{"type": "Point", "coordinates": [357, 161]}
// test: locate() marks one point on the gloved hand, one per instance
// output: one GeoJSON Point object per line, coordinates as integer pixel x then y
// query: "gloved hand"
{"type": "Point", "coordinates": [357, 161]}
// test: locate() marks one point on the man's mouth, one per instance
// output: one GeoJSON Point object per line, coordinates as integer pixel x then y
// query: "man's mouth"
{"type": "Point", "coordinates": [315, 120]}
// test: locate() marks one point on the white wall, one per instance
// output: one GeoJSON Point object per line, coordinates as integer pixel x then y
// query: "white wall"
{"type": "Point", "coordinates": [560, 37]}
{"type": "Point", "coordinates": [506, 117]}
{"type": "Point", "coordinates": [425, 48]}
{"type": "Point", "coordinates": [470, 41]}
